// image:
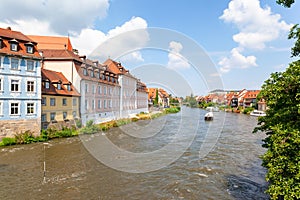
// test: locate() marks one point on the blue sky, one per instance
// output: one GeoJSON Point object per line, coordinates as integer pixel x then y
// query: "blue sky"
{"type": "Point", "coordinates": [246, 40]}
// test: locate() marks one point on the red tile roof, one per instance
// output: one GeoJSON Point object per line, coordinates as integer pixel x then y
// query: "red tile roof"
{"type": "Point", "coordinates": [8, 35]}
{"type": "Point", "coordinates": [60, 54]}
{"type": "Point", "coordinates": [52, 42]}
{"type": "Point", "coordinates": [115, 67]}
{"type": "Point", "coordinates": [57, 77]}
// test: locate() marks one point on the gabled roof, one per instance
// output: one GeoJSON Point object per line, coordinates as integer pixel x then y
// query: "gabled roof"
{"type": "Point", "coordinates": [60, 54]}
{"type": "Point", "coordinates": [8, 33]}
{"type": "Point", "coordinates": [251, 94]}
{"type": "Point", "coordinates": [52, 42]}
{"type": "Point", "coordinates": [9, 36]}
{"type": "Point", "coordinates": [57, 77]}
{"type": "Point", "coordinates": [115, 67]}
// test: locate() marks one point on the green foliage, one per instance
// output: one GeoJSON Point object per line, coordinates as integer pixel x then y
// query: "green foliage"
{"type": "Point", "coordinates": [282, 126]}
{"type": "Point", "coordinates": [248, 110]}
{"type": "Point", "coordinates": [90, 128]}
{"type": "Point", "coordinates": [7, 141]}
{"type": "Point", "coordinates": [25, 137]}
{"type": "Point", "coordinates": [285, 3]}
{"type": "Point", "coordinates": [191, 101]}
{"type": "Point", "coordinates": [172, 110]}
{"type": "Point", "coordinates": [156, 97]}
{"type": "Point", "coordinates": [295, 34]}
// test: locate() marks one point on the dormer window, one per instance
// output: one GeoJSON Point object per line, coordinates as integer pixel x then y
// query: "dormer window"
{"type": "Point", "coordinates": [92, 73]}
{"type": "Point", "coordinates": [29, 47]}
{"type": "Point", "coordinates": [68, 86]}
{"type": "Point", "coordinates": [85, 72]}
{"type": "Point", "coordinates": [47, 84]}
{"type": "Point", "coordinates": [58, 86]}
{"type": "Point", "coordinates": [14, 45]}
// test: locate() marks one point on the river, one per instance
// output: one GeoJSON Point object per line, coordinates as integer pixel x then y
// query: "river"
{"type": "Point", "coordinates": [201, 160]}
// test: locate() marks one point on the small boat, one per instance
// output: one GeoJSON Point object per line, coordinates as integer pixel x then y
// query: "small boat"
{"type": "Point", "coordinates": [212, 109]}
{"type": "Point", "coordinates": [257, 113]}
{"type": "Point", "coordinates": [209, 116]}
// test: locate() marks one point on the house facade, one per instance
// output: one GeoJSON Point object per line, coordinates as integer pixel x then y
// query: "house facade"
{"type": "Point", "coordinates": [20, 84]}
{"type": "Point", "coordinates": [60, 101]}
{"type": "Point", "coordinates": [133, 96]}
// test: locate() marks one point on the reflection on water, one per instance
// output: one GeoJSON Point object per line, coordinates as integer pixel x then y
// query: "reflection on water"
{"type": "Point", "coordinates": [230, 171]}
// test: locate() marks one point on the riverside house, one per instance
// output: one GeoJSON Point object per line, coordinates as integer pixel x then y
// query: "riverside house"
{"type": "Point", "coordinates": [20, 84]}
{"type": "Point", "coordinates": [133, 94]}
{"type": "Point", "coordinates": [60, 101]}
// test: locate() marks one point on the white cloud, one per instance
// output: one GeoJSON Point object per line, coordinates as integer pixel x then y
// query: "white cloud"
{"type": "Point", "coordinates": [61, 16]}
{"type": "Point", "coordinates": [132, 57]}
{"type": "Point", "coordinates": [236, 60]}
{"type": "Point", "coordinates": [122, 41]}
{"type": "Point", "coordinates": [257, 26]}
{"type": "Point", "coordinates": [176, 60]}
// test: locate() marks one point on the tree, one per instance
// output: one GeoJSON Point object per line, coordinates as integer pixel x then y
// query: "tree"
{"type": "Point", "coordinates": [282, 126]}
{"type": "Point", "coordinates": [156, 97]}
{"type": "Point", "coordinates": [285, 3]}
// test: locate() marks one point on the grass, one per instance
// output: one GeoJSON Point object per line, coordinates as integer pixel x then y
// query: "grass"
{"type": "Point", "coordinates": [28, 137]}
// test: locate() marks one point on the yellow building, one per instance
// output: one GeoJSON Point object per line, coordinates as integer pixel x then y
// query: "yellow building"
{"type": "Point", "coordinates": [60, 101]}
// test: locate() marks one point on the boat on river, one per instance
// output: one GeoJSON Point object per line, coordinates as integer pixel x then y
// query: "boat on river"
{"type": "Point", "coordinates": [209, 116]}
{"type": "Point", "coordinates": [257, 113]}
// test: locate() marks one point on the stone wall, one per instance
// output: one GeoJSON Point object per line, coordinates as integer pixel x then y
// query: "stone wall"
{"type": "Point", "coordinates": [8, 128]}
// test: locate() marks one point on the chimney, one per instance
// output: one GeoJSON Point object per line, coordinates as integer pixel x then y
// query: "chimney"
{"type": "Point", "coordinates": [8, 28]}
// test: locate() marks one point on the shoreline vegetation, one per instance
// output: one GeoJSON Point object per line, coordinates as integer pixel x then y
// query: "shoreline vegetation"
{"type": "Point", "coordinates": [28, 137]}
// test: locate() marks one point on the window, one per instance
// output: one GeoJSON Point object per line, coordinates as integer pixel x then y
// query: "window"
{"type": "Point", "coordinates": [14, 109]}
{"type": "Point", "coordinates": [1, 106]}
{"type": "Point", "coordinates": [47, 84]}
{"type": "Point", "coordinates": [15, 86]}
{"type": "Point", "coordinates": [92, 73]}
{"type": "Point", "coordinates": [29, 48]}
{"type": "Point", "coordinates": [97, 75]}
{"type": "Point", "coordinates": [93, 104]}
{"type": "Point", "coordinates": [30, 65]}
{"type": "Point", "coordinates": [104, 102]}
{"type": "Point", "coordinates": [99, 89]}
{"type": "Point", "coordinates": [110, 103]}
{"type": "Point", "coordinates": [30, 86]}
{"type": "Point", "coordinates": [104, 90]}
{"type": "Point", "coordinates": [58, 86]}
{"type": "Point", "coordinates": [86, 104]}
{"type": "Point", "coordinates": [74, 114]}
{"type": "Point", "coordinates": [44, 101]}
{"type": "Point", "coordinates": [68, 87]}
{"type": "Point", "coordinates": [1, 84]}
{"type": "Point", "coordinates": [93, 89]}
{"type": "Point", "coordinates": [64, 101]}
{"type": "Point", "coordinates": [52, 116]}
{"type": "Point", "coordinates": [86, 88]}
{"type": "Point", "coordinates": [44, 117]}
{"type": "Point", "coordinates": [65, 114]}
{"type": "Point", "coordinates": [14, 46]}
{"type": "Point", "coordinates": [85, 72]}
{"type": "Point", "coordinates": [30, 108]}
{"type": "Point", "coordinates": [99, 104]}
{"type": "Point", "coordinates": [0, 58]}
{"type": "Point", "coordinates": [14, 64]}
{"type": "Point", "coordinates": [52, 101]}
{"type": "Point", "coordinates": [74, 101]}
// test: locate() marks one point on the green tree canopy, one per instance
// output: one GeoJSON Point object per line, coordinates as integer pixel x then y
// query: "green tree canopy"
{"type": "Point", "coordinates": [282, 126]}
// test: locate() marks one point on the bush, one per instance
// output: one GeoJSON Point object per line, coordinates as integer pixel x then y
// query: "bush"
{"type": "Point", "coordinates": [248, 110]}
{"type": "Point", "coordinates": [90, 128]}
{"type": "Point", "coordinates": [25, 137]}
{"type": "Point", "coordinates": [172, 110]}
{"type": "Point", "coordinates": [7, 141]}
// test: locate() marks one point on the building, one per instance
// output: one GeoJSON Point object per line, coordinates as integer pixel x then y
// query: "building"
{"type": "Point", "coordinates": [20, 84]}
{"type": "Point", "coordinates": [163, 97]}
{"type": "Point", "coordinates": [133, 95]}
{"type": "Point", "coordinates": [60, 101]}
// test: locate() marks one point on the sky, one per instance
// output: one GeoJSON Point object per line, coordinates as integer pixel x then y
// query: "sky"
{"type": "Point", "coordinates": [185, 47]}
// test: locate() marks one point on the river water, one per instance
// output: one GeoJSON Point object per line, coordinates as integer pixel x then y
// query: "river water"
{"type": "Point", "coordinates": [210, 160]}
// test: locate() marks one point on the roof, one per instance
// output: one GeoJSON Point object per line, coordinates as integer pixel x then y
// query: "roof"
{"type": "Point", "coordinates": [7, 36]}
{"type": "Point", "coordinates": [57, 77]}
{"type": "Point", "coordinates": [52, 42]}
{"type": "Point", "coordinates": [8, 33]}
{"type": "Point", "coordinates": [116, 67]}
{"type": "Point", "coordinates": [60, 54]}
{"type": "Point", "coordinates": [251, 94]}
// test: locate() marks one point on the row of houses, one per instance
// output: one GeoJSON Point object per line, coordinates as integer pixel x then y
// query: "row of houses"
{"type": "Point", "coordinates": [45, 83]}
{"type": "Point", "coordinates": [235, 98]}
{"type": "Point", "coordinates": [163, 98]}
